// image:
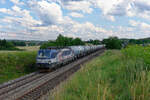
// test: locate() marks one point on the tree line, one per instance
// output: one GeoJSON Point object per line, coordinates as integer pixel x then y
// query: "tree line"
{"type": "Point", "coordinates": [11, 44]}
{"type": "Point", "coordinates": [68, 41]}
{"type": "Point", "coordinates": [116, 43]}
{"type": "Point", "coordinates": [139, 41]}
{"type": "Point", "coordinates": [5, 45]}
{"type": "Point", "coordinates": [110, 43]}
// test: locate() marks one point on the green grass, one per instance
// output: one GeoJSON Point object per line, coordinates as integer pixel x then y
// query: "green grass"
{"type": "Point", "coordinates": [116, 75]}
{"type": "Point", "coordinates": [16, 64]}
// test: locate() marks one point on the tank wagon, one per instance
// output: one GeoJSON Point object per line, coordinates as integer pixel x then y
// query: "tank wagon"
{"type": "Point", "coordinates": [54, 57]}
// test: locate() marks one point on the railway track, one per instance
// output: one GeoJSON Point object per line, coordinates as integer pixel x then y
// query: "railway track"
{"type": "Point", "coordinates": [33, 86]}
{"type": "Point", "coordinates": [12, 86]}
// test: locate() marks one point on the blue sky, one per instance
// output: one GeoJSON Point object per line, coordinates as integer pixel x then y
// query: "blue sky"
{"type": "Point", "coordinates": [87, 19]}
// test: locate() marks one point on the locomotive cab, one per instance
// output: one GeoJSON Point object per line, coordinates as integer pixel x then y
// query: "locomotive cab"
{"type": "Point", "coordinates": [47, 58]}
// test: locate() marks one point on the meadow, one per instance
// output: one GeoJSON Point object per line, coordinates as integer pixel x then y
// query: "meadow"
{"type": "Point", "coordinates": [29, 48]}
{"type": "Point", "coordinates": [116, 75]}
{"type": "Point", "coordinates": [14, 64]}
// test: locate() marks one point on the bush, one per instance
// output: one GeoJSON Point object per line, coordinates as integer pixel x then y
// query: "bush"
{"type": "Point", "coordinates": [112, 43]}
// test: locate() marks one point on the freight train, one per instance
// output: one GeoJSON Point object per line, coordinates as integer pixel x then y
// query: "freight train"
{"type": "Point", "coordinates": [54, 57]}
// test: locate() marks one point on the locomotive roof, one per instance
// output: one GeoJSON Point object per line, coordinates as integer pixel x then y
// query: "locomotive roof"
{"type": "Point", "coordinates": [59, 47]}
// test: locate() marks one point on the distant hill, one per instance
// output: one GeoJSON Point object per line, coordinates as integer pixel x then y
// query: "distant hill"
{"type": "Point", "coordinates": [136, 41]}
{"type": "Point", "coordinates": [26, 42]}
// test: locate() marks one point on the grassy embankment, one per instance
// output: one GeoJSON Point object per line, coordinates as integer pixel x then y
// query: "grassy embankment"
{"type": "Point", "coordinates": [116, 75]}
{"type": "Point", "coordinates": [14, 64]}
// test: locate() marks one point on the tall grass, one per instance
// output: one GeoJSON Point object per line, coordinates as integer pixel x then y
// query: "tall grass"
{"type": "Point", "coordinates": [16, 64]}
{"type": "Point", "coordinates": [117, 75]}
{"type": "Point", "coordinates": [29, 48]}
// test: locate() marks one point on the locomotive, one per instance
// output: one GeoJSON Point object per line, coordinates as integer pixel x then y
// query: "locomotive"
{"type": "Point", "coordinates": [54, 57]}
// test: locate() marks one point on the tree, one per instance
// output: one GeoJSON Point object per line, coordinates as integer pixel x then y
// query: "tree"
{"type": "Point", "coordinates": [94, 42]}
{"type": "Point", "coordinates": [63, 41]}
{"type": "Point", "coordinates": [112, 43]}
{"type": "Point", "coordinates": [78, 41]}
{"type": "Point", "coordinates": [66, 41]}
{"type": "Point", "coordinates": [48, 44]}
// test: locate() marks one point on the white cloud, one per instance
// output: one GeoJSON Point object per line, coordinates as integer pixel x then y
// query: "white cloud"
{"type": "Point", "coordinates": [77, 5]}
{"type": "Point", "coordinates": [107, 5]}
{"type": "Point", "coordinates": [17, 2]}
{"type": "Point", "coordinates": [83, 30]}
{"type": "Point", "coordinates": [112, 8]}
{"type": "Point", "coordinates": [70, 28]}
{"type": "Point", "coordinates": [133, 23]}
{"type": "Point", "coordinates": [142, 5]}
{"type": "Point", "coordinates": [49, 13]}
{"type": "Point", "coordinates": [4, 10]}
{"type": "Point", "coordinates": [20, 18]}
{"type": "Point", "coordinates": [139, 24]}
{"type": "Point", "coordinates": [16, 8]}
{"type": "Point", "coordinates": [141, 9]}
{"type": "Point", "coordinates": [16, 11]}
{"type": "Point", "coordinates": [131, 8]}
{"type": "Point", "coordinates": [109, 17]}
{"type": "Point", "coordinates": [75, 14]}
{"type": "Point", "coordinates": [142, 29]}
{"type": "Point", "coordinates": [145, 26]}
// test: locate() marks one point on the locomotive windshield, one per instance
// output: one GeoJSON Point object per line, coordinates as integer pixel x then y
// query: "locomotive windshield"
{"type": "Point", "coordinates": [43, 53]}
{"type": "Point", "coordinates": [47, 54]}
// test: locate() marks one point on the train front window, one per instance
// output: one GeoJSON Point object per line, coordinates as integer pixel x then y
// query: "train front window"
{"type": "Point", "coordinates": [44, 53]}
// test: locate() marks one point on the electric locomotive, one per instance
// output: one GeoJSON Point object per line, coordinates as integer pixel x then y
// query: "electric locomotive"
{"type": "Point", "coordinates": [53, 57]}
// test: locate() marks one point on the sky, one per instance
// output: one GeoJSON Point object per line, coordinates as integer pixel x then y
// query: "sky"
{"type": "Point", "coordinates": [86, 19]}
